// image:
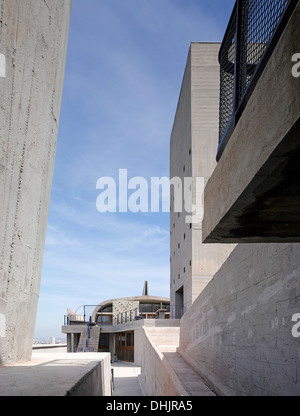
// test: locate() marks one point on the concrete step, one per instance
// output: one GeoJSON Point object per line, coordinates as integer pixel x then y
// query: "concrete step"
{"type": "Point", "coordinates": [190, 380]}
{"type": "Point", "coordinates": [166, 340]}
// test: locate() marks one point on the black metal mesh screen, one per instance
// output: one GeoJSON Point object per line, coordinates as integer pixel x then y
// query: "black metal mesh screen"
{"type": "Point", "coordinates": [259, 20]}
{"type": "Point", "coordinates": [227, 60]}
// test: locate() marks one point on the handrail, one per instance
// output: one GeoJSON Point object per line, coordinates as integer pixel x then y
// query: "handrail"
{"type": "Point", "coordinates": [123, 317]}
{"type": "Point", "coordinates": [87, 336]}
{"type": "Point", "coordinates": [137, 314]}
{"type": "Point", "coordinates": [84, 308]}
{"type": "Point", "coordinates": [251, 36]}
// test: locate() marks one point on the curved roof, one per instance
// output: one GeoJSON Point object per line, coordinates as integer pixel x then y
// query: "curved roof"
{"type": "Point", "coordinates": [141, 299]}
{"type": "Point", "coordinates": [145, 298]}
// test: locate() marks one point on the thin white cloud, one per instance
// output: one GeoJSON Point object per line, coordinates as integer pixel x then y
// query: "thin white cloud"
{"type": "Point", "coordinates": [125, 65]}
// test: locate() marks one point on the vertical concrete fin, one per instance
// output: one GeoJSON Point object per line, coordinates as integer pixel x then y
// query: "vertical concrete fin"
{"type": "Point", "coordinates": [145, 290]}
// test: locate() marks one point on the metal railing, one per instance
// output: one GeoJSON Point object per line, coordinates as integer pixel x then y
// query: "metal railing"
{"type": "Point", "coordinates": [124, 317]}
{"type": "Point", "coordinates": [253, 31]}
{"type": "Point", "coordinates": [87, 336]}
{"type": "Point", "coordinates": [78, 318]}
{"type": "Point", "coordinates": [129, 316]}
{"type": "Point", "coordinates": [69, 319]}
{"type": "Point", "coordinates": [137, 314]}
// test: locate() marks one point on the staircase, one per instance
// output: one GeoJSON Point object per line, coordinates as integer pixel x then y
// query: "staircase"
{"type": "Point", "coordinates": [93, 341]}
{"type": "Point", "coordinates": [165, 341]}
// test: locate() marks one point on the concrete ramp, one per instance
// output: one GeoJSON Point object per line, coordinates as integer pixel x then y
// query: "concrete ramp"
{"type": "Point", "coordinates": [186, 381]}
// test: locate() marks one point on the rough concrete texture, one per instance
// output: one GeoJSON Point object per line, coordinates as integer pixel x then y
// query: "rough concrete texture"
{"type": "Point", "coordinates": [238, 333]}
{"type": "Point", "coordinates": [193, 147]}
{"type": "Point", "coordinates": [164, 372]}
{"type": "Point", "coordinates": [82, 374]}
{"type": "Point", "coordinates": [33, 39]}
{"type": "Point", "coordinates": [253, 195]}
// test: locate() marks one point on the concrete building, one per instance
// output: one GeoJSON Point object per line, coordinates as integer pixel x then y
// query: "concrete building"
{"type": "Point", "coordinates": [193, 146]}
{"type": "Point", "coordinates": [238, 337]}
{"type": "Point", "coordinates": [253, 194]}
{"type": "Point", "coordinates": [240, 333]}
{"type": "Point", "coordinates": [33, 44]}
{"type": "Point", "coordinates": [113, 324]}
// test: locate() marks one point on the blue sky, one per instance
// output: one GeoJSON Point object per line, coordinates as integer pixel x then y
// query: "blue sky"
{"type": "Point", "coordinates": [125, 65]}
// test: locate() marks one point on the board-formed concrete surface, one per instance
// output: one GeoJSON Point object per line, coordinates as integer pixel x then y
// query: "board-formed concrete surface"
{"type": "Point", "coordinates": [163, 371]}
{"type": "Point", "coordinates": [193, 147]}
{"type": "Point", "coordinates": [33, 45]}
{"type": "Point", "coordinates": [238, 335]}
{"type": "Point", "coordinates": [80, 374]}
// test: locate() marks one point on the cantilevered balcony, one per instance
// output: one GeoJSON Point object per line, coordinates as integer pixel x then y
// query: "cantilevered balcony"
{"type": "Point", "coordinates": [254, 192]}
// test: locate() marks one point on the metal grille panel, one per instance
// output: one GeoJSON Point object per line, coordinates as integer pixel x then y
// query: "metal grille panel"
{"type": "Point", "coordinates": [250, 31]}
{"type": "Point", "coordinates": [227, 77]}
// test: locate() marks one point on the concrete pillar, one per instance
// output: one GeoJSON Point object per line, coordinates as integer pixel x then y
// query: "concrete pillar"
{"type": "Point", "coordinates": [33, 42]}
{"type": "Point", "coordinates": [112, 345]}
{"type": "Point", "coordinates": [72, 343]}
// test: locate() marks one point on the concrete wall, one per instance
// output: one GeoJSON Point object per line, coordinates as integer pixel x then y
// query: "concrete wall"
{"type": "Point", "coordinates": [237, 335]}
{"type": "Point", "coordinates": [53, 375]}
{"type": "Point", "coordinates": [157, 374]}
{"type": "Point", "coordinates": [33, 39]}
{"type": "Point", "coordinates": [193, 148]}
{"type": "Point", "coordinates": [97, 382]}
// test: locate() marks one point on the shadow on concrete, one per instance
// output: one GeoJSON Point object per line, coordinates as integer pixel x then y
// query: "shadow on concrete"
{"type": "Point", "coordinates": [52, 377]}
{"type": "Point", "coordinates": [190, 381]}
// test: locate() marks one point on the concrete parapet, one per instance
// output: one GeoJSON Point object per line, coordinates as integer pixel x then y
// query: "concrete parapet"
{"type": "Point", "coordinates": [82, 374]}
{"type": "Point", "coordinates": [164, 372]}
{"type": "Point", "coordinates": [49, 348]}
